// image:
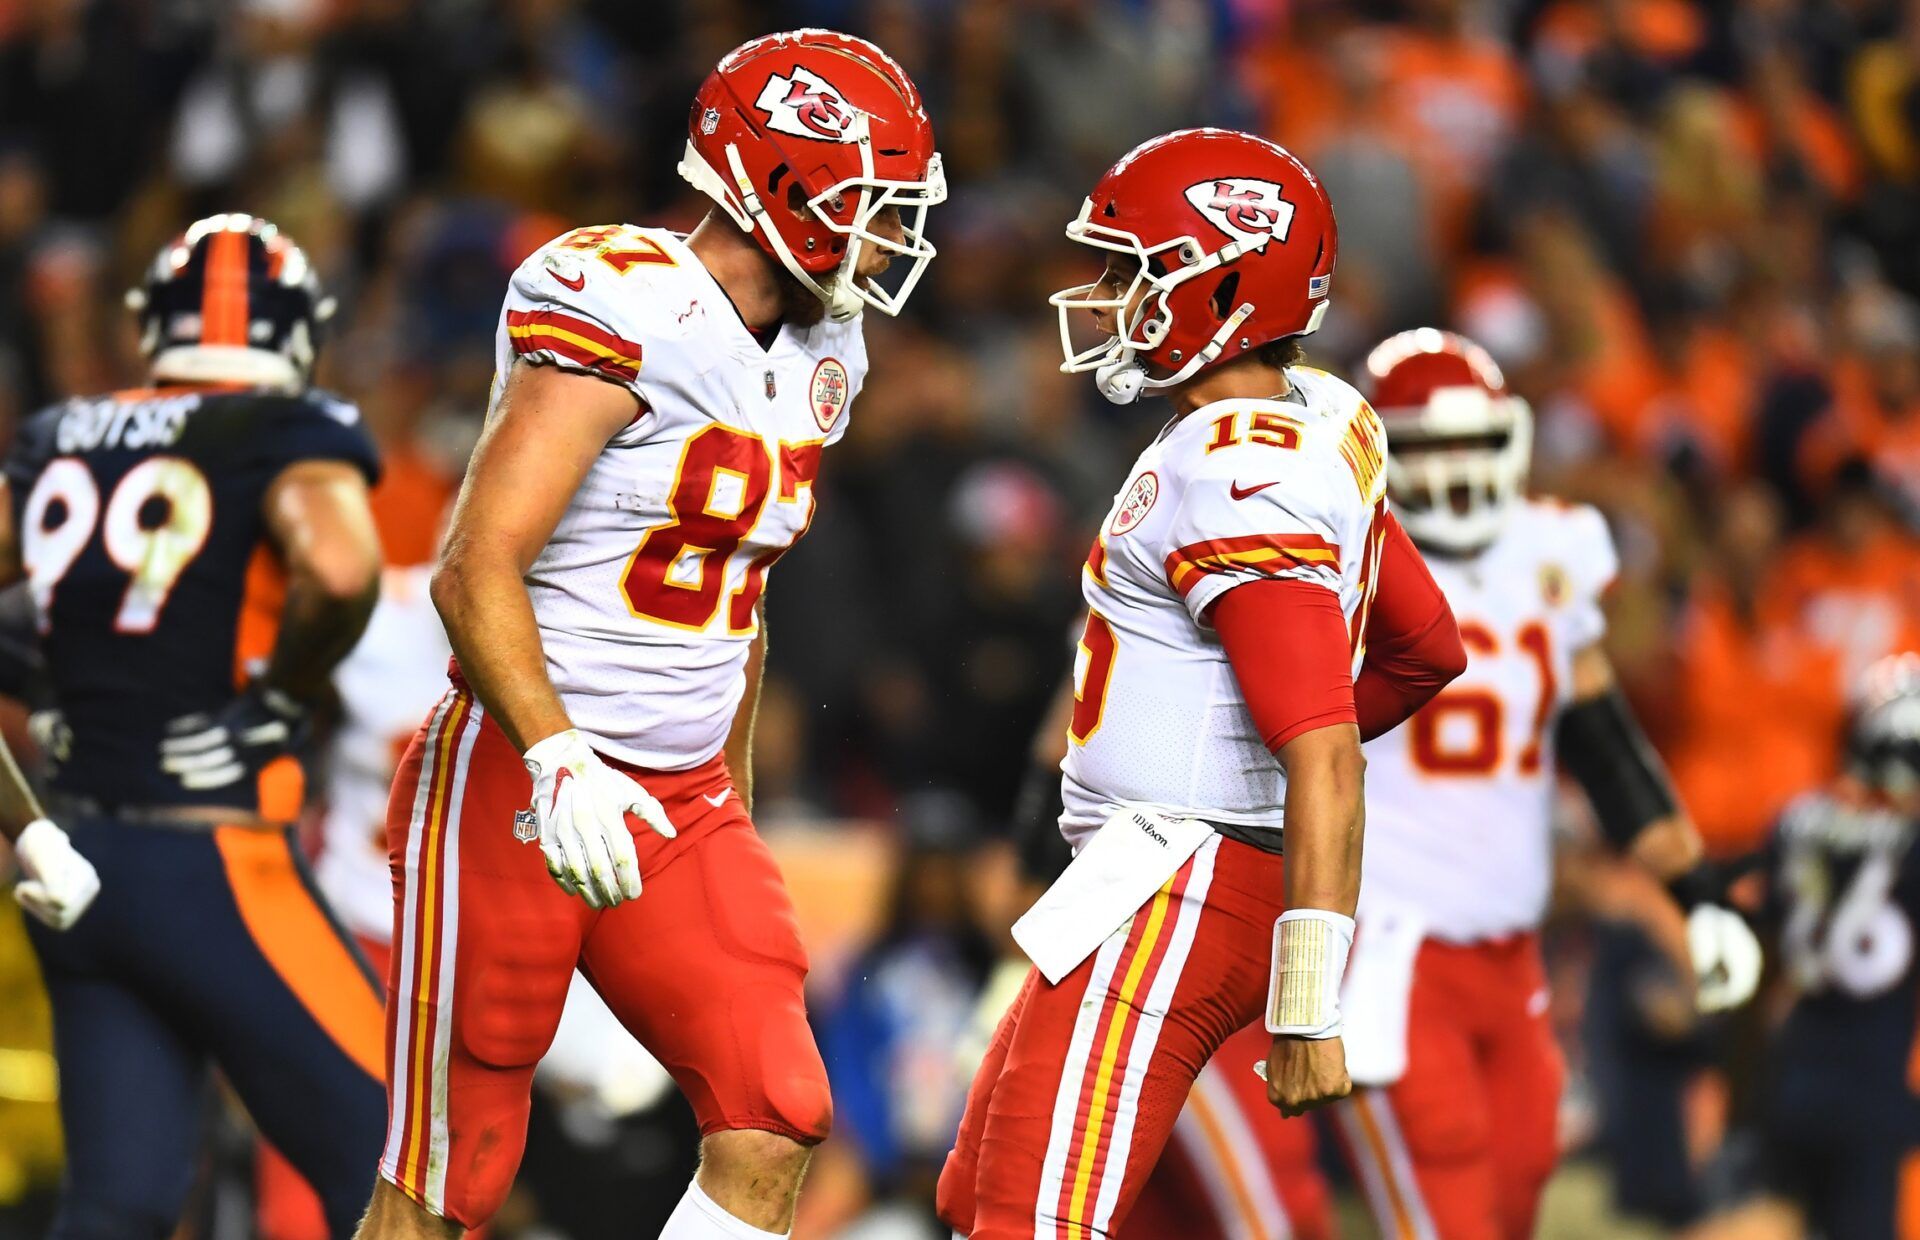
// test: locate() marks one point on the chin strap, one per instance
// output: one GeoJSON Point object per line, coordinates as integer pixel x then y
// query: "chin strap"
{"type": "Point", "coordinates": [1123, 379]}
{"type": "Point", "coordinates": [842, 300]}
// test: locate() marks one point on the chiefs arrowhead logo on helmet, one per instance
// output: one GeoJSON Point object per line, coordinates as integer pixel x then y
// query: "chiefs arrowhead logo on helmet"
{"type": "Point", "coordinates": [1245, 209]}
{"type": "Point", "coordinates": [806, 105]}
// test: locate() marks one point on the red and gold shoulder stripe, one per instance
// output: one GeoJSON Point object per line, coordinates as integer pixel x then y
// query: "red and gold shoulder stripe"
{"type": "Point", "coordinates": [563, 335]}
{"type": "Point", "coordinates": [1265, 554]}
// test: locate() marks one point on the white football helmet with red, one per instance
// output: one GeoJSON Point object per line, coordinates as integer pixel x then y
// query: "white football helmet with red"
{"type": "Point", "coordinates": [1460, 443]}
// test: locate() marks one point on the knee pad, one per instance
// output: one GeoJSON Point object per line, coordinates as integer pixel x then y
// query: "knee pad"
{"type": "Point", "coordinates": [510, 1001]}
{"type": "Point", "coordinates": [800, 1099]}
{"type": "Point", "coordinates": [954, 1199]}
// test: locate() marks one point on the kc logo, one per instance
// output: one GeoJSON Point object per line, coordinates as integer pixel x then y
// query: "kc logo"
{"type": "Point", "coordinates": [806, 105]}
{"type": "Point", "coordinates": [1245, 209]}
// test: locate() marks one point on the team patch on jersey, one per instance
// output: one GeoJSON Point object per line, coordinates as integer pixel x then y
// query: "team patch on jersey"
{"type": "Point", "coordinates": [1138, 503]}
{"type": "Point", "coordinates": [806, 105]}
{"type": "Point", "coordinates": [1248, 210]}
{"type": "Point", "coordinates": [828, 392]}
{"type": "Point", "coordinates": [1555, 586]}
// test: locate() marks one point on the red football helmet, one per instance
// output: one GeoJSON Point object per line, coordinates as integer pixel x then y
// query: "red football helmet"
{"type": "Point", "coordinates": [1458, 442]}
{"type": "Point", "coordinates": [803, 138]}
{"type": "Point", "coordinates": [1237, 210]}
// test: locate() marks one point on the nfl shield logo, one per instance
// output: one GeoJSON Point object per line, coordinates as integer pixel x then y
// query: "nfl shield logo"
{"type": "Point", "coordinates": [526, 826]}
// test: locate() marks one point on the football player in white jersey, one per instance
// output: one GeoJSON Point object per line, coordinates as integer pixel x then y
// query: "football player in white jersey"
{"type": "Point", "coordinates": [659, 414]}
{"type": "Point", "coordinates": [1252, 610]}
{"type": "Point", "coordinates": [1452, 1123]}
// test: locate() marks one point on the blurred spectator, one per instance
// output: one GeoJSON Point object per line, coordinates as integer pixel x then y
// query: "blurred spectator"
{"type": "Point", "coordinates": [889, 1036]}
{"type": "Point", "coordinates": [1756, 695]}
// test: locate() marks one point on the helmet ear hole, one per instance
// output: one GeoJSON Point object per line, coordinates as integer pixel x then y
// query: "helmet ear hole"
{"type": "Point", "coordinates": [1221, 303]}
{"type": "Point", "coordinates": [797, 200]}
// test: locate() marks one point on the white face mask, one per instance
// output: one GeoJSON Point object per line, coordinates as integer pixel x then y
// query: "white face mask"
{"type": "Point", "coordinates": [1456, 468]}
{"type": "Point", "coordinates": [1143, 323]}
{"type": "Point", "coordinates": [845, 295]}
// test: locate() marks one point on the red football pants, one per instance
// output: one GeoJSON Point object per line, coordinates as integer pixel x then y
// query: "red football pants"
{"type": "Point", "coordinates": [1235, 1168]}
{"type": "Point", "coordinates": [705, 969]}
{"type": "Point", "coordinates": [1084, 1080]}
{"type": "Point", "coordinates": [1461, 1146]}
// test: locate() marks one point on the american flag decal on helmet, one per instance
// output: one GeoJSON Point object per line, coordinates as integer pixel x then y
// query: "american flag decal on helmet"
{"type": "Point", "coordinates": [1317, 286]}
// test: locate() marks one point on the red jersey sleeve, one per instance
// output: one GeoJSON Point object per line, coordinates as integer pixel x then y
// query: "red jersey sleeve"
{"type": "Point", "coordinates": [1413, 644]}
{"type": "Point", "coordinates": [1287, 643]}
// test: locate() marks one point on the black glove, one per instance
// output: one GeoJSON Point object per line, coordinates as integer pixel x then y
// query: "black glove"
{"type": "Point", "coordinates": [228, 746]}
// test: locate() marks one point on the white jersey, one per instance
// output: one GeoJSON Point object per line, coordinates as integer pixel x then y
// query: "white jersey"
{"type": "Point", "coordinates": [1238, 491]}
{"type": "Point", "coordinates": [1460, 797]}
{"type": "Point", "coordinates": [645, 594]}
{"type": "Point", "coordinates": [386, 686]}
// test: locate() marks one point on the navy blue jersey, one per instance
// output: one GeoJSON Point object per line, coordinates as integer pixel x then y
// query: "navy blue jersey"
{"type": "Point", "coordinates": [1846, 888]}
{"type": "Point", "coordinates": [139, 517]}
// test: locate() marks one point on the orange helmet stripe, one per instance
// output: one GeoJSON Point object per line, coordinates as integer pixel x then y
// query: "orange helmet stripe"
{"type": "Point", "coordinates": [223, 299]}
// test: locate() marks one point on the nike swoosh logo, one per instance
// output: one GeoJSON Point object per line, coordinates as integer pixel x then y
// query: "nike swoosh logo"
{"type": "Point", "coordinates": [716, 799]}
{"type": "Point", "coordinates": [576, 284]}
{"type": "Point", "coordinates": [1239, 492]}
{"type": "Point", "coordinates": [559, 782]}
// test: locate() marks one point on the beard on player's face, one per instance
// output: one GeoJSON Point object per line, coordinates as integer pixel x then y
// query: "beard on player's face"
{"type": "Point", "coordinates": [798, 303]}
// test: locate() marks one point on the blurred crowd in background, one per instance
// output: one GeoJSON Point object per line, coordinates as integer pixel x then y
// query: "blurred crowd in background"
{"type": "Point", "coordinates": [1690, 232]}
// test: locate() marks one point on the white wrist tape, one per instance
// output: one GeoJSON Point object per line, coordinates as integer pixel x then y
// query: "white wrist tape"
{"type": "Point", "coordinates": [1310, 948]}
{"type": "Point", "coordinates": [40, 845]}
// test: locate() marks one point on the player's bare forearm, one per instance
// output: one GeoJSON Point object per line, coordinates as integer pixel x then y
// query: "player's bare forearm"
{"type": "Point", "coordinates": [1325, 823]}
{"type": "Point", "coordinates": [11, 569]}
{"type": "Point", "coordinates": [740, 738]}
{"type": "Point", "coordinates": [1669, 847]}
{"type": "Point", "coordinates": [532, 456]}
{"type": "Point", "coordinates": [489, 620]}
{"type": "Point", "coordinates": [1325, 818]}
{"type": "Point", "coordinates": [18, 805]}
{"type": "Point", "coordinates": [318, 517]}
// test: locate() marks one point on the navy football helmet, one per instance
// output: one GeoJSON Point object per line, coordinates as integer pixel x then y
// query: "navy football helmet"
{"type": "Point", "coordinates": [1883, 744]}
{"type": "Point", "coordinates": [231, 300]}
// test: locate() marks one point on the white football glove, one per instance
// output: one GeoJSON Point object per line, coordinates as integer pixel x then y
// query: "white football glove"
{"type": "Point", "coordinates": [1726, 957]}
{"type": "Point", "coordinates": [58, 882]}
{"type": "Point", "coordinates": [581, 805]}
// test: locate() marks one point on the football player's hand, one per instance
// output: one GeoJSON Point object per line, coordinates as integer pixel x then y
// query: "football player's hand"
{"type": "Point", "coordinates": [57, 883]}
{"type": "Point", "coordinates": [1305, 1073]}
{"type": "Point", "coordinates": [50, 731]}
{"type": "Point", "coordinates": [229, 746]}
{"type": "Point", "coordinates": [581, 805]}
{"type": "Point", "coordinates": [1726, 957]}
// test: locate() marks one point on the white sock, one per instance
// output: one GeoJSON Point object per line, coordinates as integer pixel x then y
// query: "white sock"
{"type": "Point", "coordinates": [700, 1217]}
